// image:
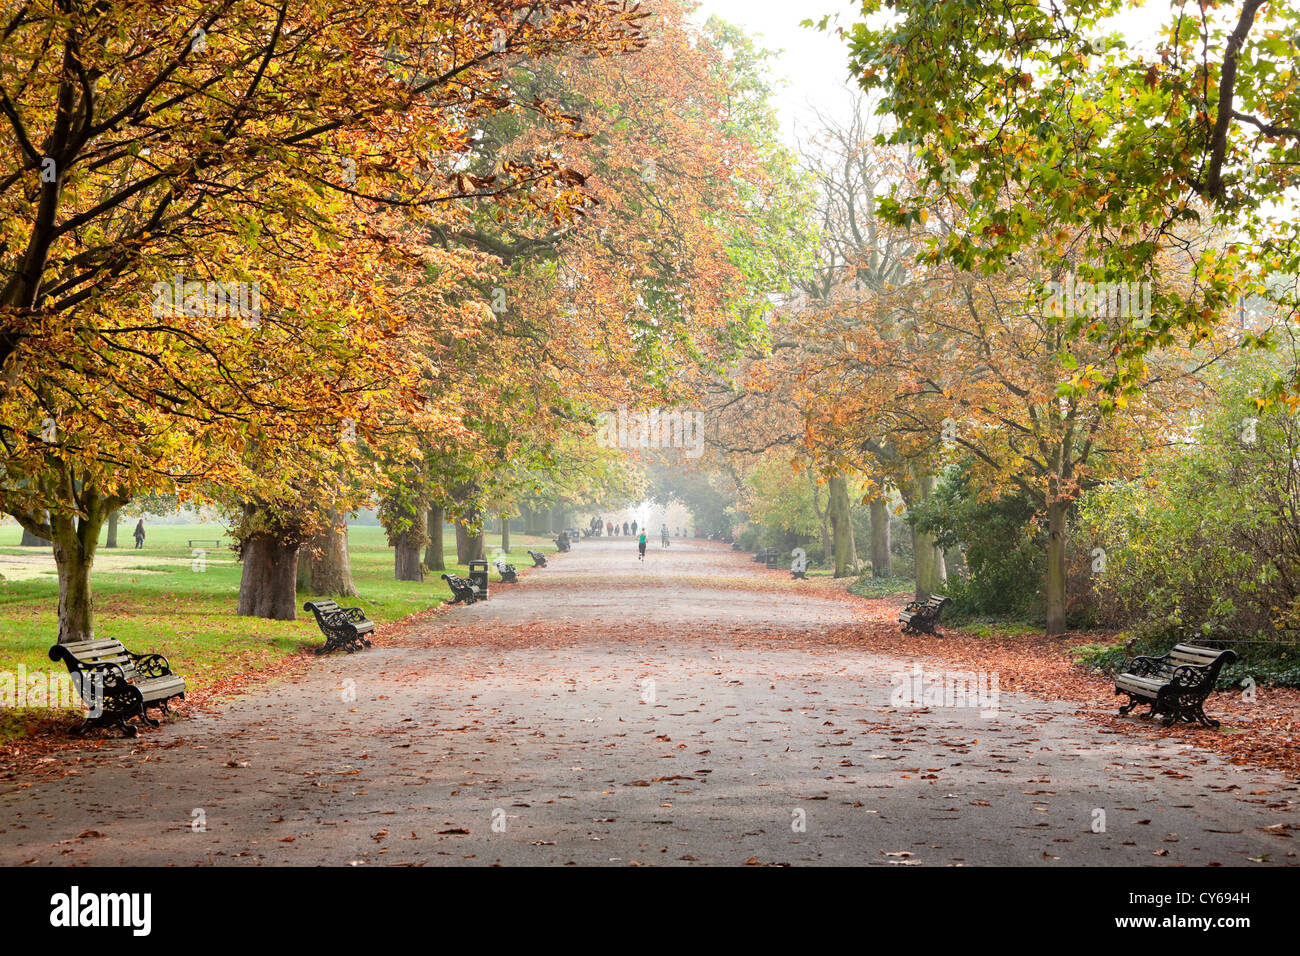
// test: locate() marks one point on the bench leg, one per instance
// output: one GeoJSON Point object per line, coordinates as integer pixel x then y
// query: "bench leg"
{"type": "Point", "coordinates": [1191, 712]}
{"type": "Point", "coordinates": [1203, 717]}
{"type": "Point", "coordinates": [106, 721]}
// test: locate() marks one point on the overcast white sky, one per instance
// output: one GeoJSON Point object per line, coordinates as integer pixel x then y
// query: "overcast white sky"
{"type": "Point", "coordinates": [814, 63]}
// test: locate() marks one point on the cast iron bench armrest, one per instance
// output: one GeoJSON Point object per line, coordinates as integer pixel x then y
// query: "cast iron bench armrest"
{"type": "Point", "coordinates": [1141, 666]}
{"type": "Point", "coordinates": [152, 665]}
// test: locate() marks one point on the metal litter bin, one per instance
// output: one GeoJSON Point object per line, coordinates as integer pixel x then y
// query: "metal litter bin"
{"type": "Point", "coordinates": [478, 576]}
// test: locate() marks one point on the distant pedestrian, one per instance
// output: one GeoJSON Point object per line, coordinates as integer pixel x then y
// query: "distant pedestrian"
{"type": "Point", "coordinates": [663, 534]}
{"type": "Point", "coordinates": [640, 547]}
{"type": "Point", "coordinates": [634, 527]}
{"type": "Point", "coordinates": [609, 528]}
{"type": "Point", "coordinates": [625, 531]}
{"type": "Point", "coordinates": [139, 534]}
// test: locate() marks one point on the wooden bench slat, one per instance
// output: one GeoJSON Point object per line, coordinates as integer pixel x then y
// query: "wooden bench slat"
{"type": "Point", "coordinates": [162, 687]}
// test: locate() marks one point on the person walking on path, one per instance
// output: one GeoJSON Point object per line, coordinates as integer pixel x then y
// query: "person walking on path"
{"type": "Point", "coordinates": [640, 546]}
{"type": "Point", "coordinates": [139, 534]}
{"type": "Point", "coordinates": [625, 531]}
{"type": "Point", "coordinates": [634, 527]}
{"type": "Point", "coordinates": [609, 528]}
{"type": "Point", "coordinates": [663, 534]}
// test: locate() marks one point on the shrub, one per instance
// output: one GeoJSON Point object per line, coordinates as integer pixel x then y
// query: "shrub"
{"type": "Point", "coordinates": [1003, 549]}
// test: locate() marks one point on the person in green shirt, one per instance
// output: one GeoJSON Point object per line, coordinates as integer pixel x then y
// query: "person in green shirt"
{"type": "Point", "coordinates": [640, 547]}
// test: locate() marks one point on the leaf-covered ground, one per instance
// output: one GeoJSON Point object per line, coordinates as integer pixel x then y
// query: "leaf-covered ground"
{"type": "Point", "coordinates": [608, 712]}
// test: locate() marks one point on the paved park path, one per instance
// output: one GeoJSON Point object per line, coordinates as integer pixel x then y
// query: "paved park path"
{"type": "Point", "coordinates": [608, 712]}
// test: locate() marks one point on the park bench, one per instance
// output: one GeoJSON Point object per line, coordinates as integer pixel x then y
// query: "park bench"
{"type": "Point", "coordinates": [799, 575]}
{"type": "Point", "coordinates": [508, 573]}
{"type": "Point", "coordinates": [126, 684]}
{"type": "Point", "coordinates": [922, 617]}
{"type": "Point", "coordinates": [539, 559]}
{"type": "Point", "coordinates": [562, 543]}
{"type": "Point", "coordinates": [461, 590]}
{"type": "Point", "coordinates": [344, 627]}
{"type": "Point", "coordinates": [1175, 685]}
{"type": "Point", "coordinates": [215, 542]}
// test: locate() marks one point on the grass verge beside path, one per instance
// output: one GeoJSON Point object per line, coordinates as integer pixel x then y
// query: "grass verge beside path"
{"type": "Point", "coordinates": [171, 600]}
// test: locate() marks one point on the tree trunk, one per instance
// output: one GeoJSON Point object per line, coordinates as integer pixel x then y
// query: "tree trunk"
{"type": "Point", "coordinates": [75, 540]}
{"type": "Point", "coordinates": [559, 520]}
{"type": "Point", "coordinates": [839, 508]}
{"type": "Point", "coordinates": [469, 547]}
{"type": "Point", "coordinates": [330, 564]}
{"type": "Point", "coordinates": [406, 559]}
{"type": "Point", "coordinates": [505, 534]}
{"type": "Point", "coordinates": [111, 541]}
{"type": "Point", "coordinates": [433, 553]}
{"type": "Point", "coordinates": [823, 516]}
{"type": "Point", "coordinates": [881, 561]}
{"type": "Point", "coordinates": [268, 585]}
{"type": "Point", "coordinates": [1056, 514]}
{"type": "Point", "coordinates": [931, 573]}
{"type": "Point", "coordinates": [31, 540]}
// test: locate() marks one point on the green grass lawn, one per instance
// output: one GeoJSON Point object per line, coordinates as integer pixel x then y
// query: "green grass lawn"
{"type": "Point", "coordinates": [161, 599]}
